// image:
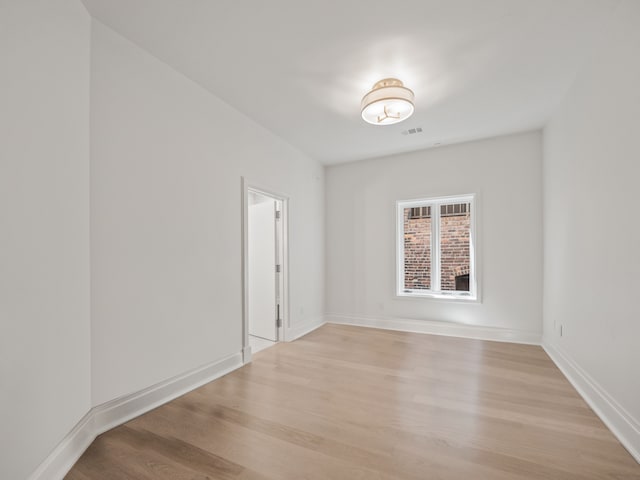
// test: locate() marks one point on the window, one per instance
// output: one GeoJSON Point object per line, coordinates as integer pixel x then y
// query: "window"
{"type": "Point", "coordinates": [435, 248]}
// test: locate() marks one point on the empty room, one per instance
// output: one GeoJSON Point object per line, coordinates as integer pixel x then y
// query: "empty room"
{"type": "Point", "coordinates": [319, 240]}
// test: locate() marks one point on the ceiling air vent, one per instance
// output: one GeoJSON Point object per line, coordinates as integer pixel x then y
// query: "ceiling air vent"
{"type": "Point", "coordinates": [412, 131]}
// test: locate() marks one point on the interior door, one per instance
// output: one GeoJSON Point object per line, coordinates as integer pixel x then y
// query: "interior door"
{"type": "Point", "coordinates": [262, 267]}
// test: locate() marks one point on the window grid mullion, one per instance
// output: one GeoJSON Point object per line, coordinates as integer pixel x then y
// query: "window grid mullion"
{"type": "Point", "coordinates": [400, 248]}
{"type": "Point", "coordinates": [435, 247]}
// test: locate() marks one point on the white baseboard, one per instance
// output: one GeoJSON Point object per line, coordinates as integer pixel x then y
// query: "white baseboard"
{"type": "Point", "coordinates": [116, 412]}
{"type": "Point", "coordinates": [620, 422]}
{"type": "Point", "coordinates": [247, 354]}
{"type": "Point", "coordinates": [68, 451]}
{"type": "Point", "coordinates": [301, 330]}
{"type": "Point", "coordinates": [438, 328]}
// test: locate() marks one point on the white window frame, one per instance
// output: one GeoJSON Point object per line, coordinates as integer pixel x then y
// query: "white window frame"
{"type": "Point", "coordinates": [435, 203]}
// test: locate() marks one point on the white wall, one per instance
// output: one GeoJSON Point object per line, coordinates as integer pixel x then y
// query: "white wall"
{"type": "Point", "coordinates": [505, 172]}
{"type": "Point", "coordinates": [592, 262]}
{"type": "Point", "coordinates": [44, 220]}
{"type": "Point", "coordinates": [167, 160]}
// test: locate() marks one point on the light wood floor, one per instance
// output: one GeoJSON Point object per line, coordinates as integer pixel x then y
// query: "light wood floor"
{"type": "Point", "coordinates": [356, 403]}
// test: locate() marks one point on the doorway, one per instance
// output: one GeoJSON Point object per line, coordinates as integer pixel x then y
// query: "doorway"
{"type": "Point", "coordinates": [265, 267]}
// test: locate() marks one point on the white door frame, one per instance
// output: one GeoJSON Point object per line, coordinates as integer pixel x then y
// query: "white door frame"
{"type": "Point", "coordinates": [283, 331]}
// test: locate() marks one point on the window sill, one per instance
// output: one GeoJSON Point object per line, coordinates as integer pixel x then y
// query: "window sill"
{"type": "Point", "coordinates": [451, 297]}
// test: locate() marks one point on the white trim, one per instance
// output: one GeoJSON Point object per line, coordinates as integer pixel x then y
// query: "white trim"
{"type": "Point", "coordinates": [434, 203]}
{"type": "Point", "coordinates": [615, 417]}
{"type": "Point", "coordinates": [116, 412]}
{"type": "Point", "coordinates": [450, 297]}
{"type": "Point", "coordinates": [436, 252]}
{"type": "Point", "coordinates": [438, 328]}
{"type": "Point", "coordinates": [304, 328]}
{"type": "Point", "coordinates": [68, 451]}
{"type": "Point", "coordinates": [442, 200]}
{"type": "Point", "coordinates": [246, 187]}
{"type": "Point", "coordinates": [247, 354]}
{"type": "Point", "coordinates": [244, 234]}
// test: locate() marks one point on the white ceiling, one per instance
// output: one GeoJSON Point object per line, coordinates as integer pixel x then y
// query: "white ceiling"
{"type": "Point", "coordinates": [479, 68]}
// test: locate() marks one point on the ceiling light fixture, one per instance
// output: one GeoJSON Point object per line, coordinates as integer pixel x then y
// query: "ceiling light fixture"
{"type": "Point", "coordinates": [388, 102]}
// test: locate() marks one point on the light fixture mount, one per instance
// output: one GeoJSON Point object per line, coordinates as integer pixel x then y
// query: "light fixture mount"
{"type": "Point", "coordinates": [388, 102]}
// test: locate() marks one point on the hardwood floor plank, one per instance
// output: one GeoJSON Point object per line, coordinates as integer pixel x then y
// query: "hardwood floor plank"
{"type": "Point", "coordinates": [358, 403]}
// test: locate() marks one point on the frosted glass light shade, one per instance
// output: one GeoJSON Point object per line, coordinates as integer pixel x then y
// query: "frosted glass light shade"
{"type": "Point", "coordinates": [388, 102]}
